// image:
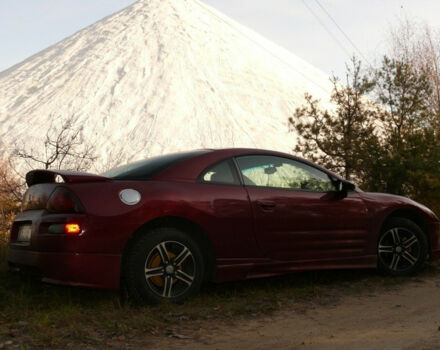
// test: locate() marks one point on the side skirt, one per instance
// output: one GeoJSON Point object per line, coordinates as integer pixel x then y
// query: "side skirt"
{"type": "Point", "coordinates": [239, 269]}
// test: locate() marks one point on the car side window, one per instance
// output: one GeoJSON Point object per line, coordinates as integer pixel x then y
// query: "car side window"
{"type": "Point", "coordinates": [220, 173]}
{"type": "Point", "coordinates": [279, 172]}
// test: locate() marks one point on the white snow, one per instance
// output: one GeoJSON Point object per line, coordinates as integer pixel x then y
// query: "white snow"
{"type": "Point", "coordinates": [160, 76]}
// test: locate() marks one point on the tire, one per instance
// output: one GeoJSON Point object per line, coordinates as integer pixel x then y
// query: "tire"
{"type": "Point", "coordinates": [165, 264]}
{"type": "Point", "coordinates": [402, 247]}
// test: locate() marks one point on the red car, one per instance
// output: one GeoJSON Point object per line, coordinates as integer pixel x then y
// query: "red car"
{"type": "Point", "coordinates": [162, 226]}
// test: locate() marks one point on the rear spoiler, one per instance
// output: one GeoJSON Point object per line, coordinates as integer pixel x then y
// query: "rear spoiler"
{"type": "Point", "coordinates": [39, 176]}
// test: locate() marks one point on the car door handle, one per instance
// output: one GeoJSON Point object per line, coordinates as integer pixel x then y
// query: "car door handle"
{"type": "Point", "coordinates": [266, 205]}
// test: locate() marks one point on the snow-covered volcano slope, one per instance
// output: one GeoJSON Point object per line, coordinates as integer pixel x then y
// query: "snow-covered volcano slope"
{"type": "Point", "coordinates": [160, 76]}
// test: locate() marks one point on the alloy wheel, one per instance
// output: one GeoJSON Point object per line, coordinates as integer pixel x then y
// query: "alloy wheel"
{"type": "Point", "coordinates": [170, 269]}
{"type": "Point", "coordinates": [399, 249]}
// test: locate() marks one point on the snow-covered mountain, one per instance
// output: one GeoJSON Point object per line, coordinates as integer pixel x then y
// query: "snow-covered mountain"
{"type": "Point", "coordinates": [160, 76]}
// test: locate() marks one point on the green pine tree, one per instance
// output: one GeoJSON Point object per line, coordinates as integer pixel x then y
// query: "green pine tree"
{"type": "Point", "coordinates": [338, 138]}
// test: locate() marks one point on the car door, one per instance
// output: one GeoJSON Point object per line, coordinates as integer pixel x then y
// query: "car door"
{"type": "Point", "coordinates": [298, 212]}
{"type": "Point", "coordinates": [228, 212]}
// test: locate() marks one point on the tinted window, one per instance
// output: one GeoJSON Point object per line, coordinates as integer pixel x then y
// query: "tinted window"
{"type": "Point", "coordinates": [221, 173]}
{"type": "Point", "coordinates": [146, 169]}
{"type": "Point", "coordinates": [269, 171]}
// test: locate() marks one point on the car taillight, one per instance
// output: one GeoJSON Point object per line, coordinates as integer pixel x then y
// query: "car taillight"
{"type": "Point", "coordinates": [63, 201]}
{"type": "Point", "coordinates": [72, 228]}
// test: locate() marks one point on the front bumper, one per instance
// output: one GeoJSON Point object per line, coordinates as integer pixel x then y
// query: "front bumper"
{"type": "Point", "coordinates": [434, 230]}
{"type": "Point", "coordinates": [71, 269]}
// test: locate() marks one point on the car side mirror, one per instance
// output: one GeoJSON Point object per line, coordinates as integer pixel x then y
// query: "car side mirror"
{"type": "Point", "coordinates": [270, 170]}
{"type": "Point", "coordinates": [344, 186]}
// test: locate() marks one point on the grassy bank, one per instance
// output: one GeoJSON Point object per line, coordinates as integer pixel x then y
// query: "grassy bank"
{"type": "Point", "coordinates": [40, 316]}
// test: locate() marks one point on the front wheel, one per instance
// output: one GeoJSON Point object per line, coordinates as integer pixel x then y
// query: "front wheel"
{"type": "Point", "coordinates": [164, 264]}
{"type": "Point", "coordinates": [402, 248]}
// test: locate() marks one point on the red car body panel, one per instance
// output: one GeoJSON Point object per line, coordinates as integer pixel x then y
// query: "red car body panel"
{"type": "Point", "coordinates": [250, 237]}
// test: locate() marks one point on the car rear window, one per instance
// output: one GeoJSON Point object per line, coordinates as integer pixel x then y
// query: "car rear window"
{"type": "Point", "coordinates": [220, 173]}
{"type": "Point", "coordinates": [147, 168]}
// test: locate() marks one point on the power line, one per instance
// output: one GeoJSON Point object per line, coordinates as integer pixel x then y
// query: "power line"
{"type": "Point", "coordinates": [342, 31]}
{"type": "Point", "coordinates": [326, 29]}
{"type": "Point", "coordinates": [289, 65]}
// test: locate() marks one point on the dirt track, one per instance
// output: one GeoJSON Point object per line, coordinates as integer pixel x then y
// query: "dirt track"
{"type": "Point", "coordinates": [406, 317]}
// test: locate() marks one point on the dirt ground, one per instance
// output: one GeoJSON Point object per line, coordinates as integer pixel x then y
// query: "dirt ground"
{"type": "Point", "coordinates": [404, 317]}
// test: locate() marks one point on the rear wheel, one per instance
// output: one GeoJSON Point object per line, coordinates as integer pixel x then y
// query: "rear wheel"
{"type": "Point", "coordinates": [402, 248]}
{"type": "Point", "coordinates": [164, 264]}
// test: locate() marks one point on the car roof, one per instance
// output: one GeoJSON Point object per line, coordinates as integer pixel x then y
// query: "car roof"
{"type": "Point", "coordinates": [190, 169]}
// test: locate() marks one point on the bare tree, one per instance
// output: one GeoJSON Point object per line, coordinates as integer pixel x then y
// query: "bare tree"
{"type": "Point", "coordinates": [419, 44]}
{"type": "Point", "coordinates": [63, 147]}
{"type": "Point", "coordinates": [10, 195]}
{"type": "Point", "coordinates": [11, 188]}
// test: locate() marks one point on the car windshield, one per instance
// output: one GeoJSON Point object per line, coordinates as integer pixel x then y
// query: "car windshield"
{"type": "Point", "coordinates": [147, 168]}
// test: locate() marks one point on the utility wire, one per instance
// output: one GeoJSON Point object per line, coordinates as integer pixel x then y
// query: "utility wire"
{"type": "Point", "coordinates": [342, 31]}
{"type": "Point", "coordinates": [289, 65]}
{"type": "Point", "coordinates": [327, 30]}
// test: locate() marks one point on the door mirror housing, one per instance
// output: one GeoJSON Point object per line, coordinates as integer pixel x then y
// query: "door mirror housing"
{"type": "Point", "coordinates": [344, 186]}
{"type": "Point", "coordinates": [270, 170]}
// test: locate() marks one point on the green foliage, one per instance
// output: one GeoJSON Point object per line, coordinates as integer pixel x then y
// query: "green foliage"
{"type": "Point", "coordinates": [338, 138]}
{"type": "Point", "coordinates": [389, 145]}
{"type": "Point", "coordinates": [409, 158]}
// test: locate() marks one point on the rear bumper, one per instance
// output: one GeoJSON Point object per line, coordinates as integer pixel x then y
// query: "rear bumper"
{"type": "Point", "coordinates": [71, 269]}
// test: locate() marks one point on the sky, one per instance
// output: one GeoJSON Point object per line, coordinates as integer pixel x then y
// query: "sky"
{"type": "Point", "coordinates": [301, 26]}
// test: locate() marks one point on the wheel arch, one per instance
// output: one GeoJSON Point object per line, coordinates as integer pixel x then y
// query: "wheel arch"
{"type": "Point", "coordinates": [184, 224]}
{"type": "Point", "coordinates": [410, 214]}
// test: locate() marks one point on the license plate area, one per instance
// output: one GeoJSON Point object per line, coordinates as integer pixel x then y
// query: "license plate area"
{"type": "Point", "coordinates": [24, 233]}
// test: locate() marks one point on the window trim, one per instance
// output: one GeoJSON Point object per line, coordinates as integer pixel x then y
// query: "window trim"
{"type": "Point", "coordinates": [235, 174]}
{"type": "Point", "coordinates": [182, 157]}
{"type": "Point", "coordinates": [282, 188]}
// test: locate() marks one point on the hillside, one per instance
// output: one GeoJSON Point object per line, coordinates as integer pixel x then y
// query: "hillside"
{"type": "Point", "coordinates": [159, 76]}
